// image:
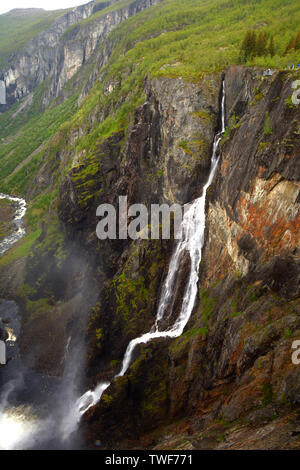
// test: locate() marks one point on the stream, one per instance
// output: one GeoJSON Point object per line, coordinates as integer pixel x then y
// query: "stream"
{"type": "Point", "coordinates": [19, 231]}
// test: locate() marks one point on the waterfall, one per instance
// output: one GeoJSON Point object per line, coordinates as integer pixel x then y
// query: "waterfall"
{"type": "Point", "coordinates": [19, 233]}
{"type": "Point", "coordinates": [34, 427]}
{"type": "Point", "coordinates": [192, 241]}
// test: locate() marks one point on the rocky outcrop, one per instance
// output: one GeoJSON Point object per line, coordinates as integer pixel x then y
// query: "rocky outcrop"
{"type": "Point", "coordinates": [230, 376]}
{"type": "Point", "coordinates": [57, 54]}
{"type": "Point", "coordinates": [235, 378]}
{"type": "Point", "coordinates": [254, 212]}
{"type": "Point", "coordinates": [165, 158]}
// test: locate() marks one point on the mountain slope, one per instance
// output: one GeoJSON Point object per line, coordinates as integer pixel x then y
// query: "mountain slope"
{"type": "Point", "coordinates": [19, 26]}
{"type": "Point", "coordinates": [123, 98]}
{"type": "Point", "coordinates": [184, 44]}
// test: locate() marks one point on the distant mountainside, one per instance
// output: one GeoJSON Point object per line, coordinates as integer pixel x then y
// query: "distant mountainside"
{"type": "Point", "coordinates": [18, 26]}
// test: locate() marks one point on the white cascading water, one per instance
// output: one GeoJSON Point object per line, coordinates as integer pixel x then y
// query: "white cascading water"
{"type": "Point", "coordinates": [193, 228]}
{"type": "Point", "coordinates": [19, 233]}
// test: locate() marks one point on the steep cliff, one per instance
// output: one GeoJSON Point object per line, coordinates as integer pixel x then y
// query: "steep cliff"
{"type": "Point", "coordinates": [230, 375]}
{"type": "Point", "coordinates": [123, 99]}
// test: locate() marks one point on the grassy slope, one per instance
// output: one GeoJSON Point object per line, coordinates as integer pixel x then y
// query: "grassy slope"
{"type": "Point", "coordinates": [18, 27]}
{"type": "Point", "coordinates": [185, 39]}
{"type": "Point", "coordinates": [35, 132]}
{"type": "Point", "coordinates": [174, 38]}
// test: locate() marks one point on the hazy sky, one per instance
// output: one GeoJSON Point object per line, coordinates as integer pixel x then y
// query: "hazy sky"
{"type": "Point", "coordinates": [46, 4]}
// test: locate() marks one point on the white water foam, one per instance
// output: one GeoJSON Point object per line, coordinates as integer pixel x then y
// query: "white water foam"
{"type": "Point", "coordinates": [19, 233]}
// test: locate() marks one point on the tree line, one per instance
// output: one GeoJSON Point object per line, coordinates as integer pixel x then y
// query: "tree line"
{"type": "Point", "coordinates": [259, 44]}
{"type": "Point", "coordinates": [293, 44]}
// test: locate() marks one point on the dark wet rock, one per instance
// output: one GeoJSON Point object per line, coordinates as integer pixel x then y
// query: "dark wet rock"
{"type": "Point", "coordinates": [3, 334]}
{"type": "Point", "coordinates": [292, 387]}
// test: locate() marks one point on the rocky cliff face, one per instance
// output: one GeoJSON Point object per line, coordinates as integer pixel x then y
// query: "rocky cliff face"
{"type": "Point", "coordinates": [164, 158]}
{"type": "Point", "coordinates": [230, 377]}
{"type": "Point", "coordinates": [228, 381]}
{"type": "Point", "coordinates": [56, 55]}
{"type": "Point", "coordinates": [249, 284]}
{"type": "Point", "coordinates": [261, 168]}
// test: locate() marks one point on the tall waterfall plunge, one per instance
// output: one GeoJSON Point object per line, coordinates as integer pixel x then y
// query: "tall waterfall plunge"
{"type": "Point", "coordinates": [193, 228]}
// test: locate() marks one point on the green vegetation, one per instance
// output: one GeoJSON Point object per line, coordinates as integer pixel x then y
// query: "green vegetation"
{"type": "Point", "coordinates": [131, 296]}
{"type": "Point", "coordinates": [257, 97]}
{"type": "Point", "coordinates": [37, 307]}
{"type": "Point", "coordinates": [262, 146]}
{"type": "Point", "coordinates": [221, 437]}
{"type": "Point", "coordinates": [99, 14]}
{"type": "Point", "coordinates": [38, 207]}
{"type": "Point", "coordinates": [293, 44]}
{"type": "Point", "coordinates": [267, 125]}
{"type": "Point", "coordinates": [268, 394]}
{"type": "Point", "coordinates": [173, 39]}
{"type": "Point", "coordinates": [37, 130]}
{"type": "Point", "coordinates": [234, 309]}
{"type": "Point", "coordinates": [210, 30]}
{"type": "Point", "coordinates": [168, 40]}
{"type": "Point", "coordinates": [194, 332]}
{"type": "Point", "coordinates": [257, 45]}
{"type": "Point", "coordinates": [255, 292]}
{"type": "Point", "coordinates": [203, 116]}
{"type": "Point", "coordinates": [21, 249]}
{"type": "Point", "coordinates": [207, 304]}
{"type": "Point", "coordinates": [114, 362]}
{"type": "Point", "coordinates": [154, 395]}
{"type": "Point", "coordinates": [234, 123]}
{"type": "Point", "coordinates": [205, 310]}
{"type": "Point", "coordinates": [99, 335]}
{"type": "Point", "coordinates": [196, 148]}
{"type": "Point", "coordinates": [236, 314]}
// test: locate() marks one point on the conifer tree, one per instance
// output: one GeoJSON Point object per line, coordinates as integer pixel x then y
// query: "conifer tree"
{"type": "Point", "coordinates": [261, 44]}
{"type": "Point", "coordinates": [297, 42]}
{"type": "Point", "coordinates": [271, 49]}
{"type": "Point", "coordinates": [246, 46]}
{"type": "Point", "coordinates": [253, 44]}
{"type": "Point", "coordinates": [290, 46]}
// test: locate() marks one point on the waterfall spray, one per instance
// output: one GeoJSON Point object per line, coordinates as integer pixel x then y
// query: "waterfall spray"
{"type": "Point", "coordinates": [193, 228]}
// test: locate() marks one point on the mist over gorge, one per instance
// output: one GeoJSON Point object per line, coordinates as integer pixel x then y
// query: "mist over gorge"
{"type": "Point", "coordinates": [157, 344]}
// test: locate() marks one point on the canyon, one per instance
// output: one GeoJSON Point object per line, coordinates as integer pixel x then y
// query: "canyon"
{"type": "Point", "coordinates": [227, 381]}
